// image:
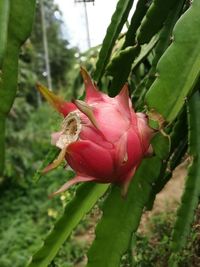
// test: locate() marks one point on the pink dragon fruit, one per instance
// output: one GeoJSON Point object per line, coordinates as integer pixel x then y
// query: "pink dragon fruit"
{"type": "Point", "coordinates": [102, 139]}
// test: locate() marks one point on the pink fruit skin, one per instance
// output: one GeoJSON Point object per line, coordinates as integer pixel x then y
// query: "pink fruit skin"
{"type": "Point", "coordinates": [112, 141]}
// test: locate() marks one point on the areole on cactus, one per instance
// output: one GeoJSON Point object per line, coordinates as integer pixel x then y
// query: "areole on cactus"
{"type": "Point", "coordinates": [102, 139]}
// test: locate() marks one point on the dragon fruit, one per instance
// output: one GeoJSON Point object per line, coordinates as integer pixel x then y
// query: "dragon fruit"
{"type": "Point", "coordinates": [102, 138]}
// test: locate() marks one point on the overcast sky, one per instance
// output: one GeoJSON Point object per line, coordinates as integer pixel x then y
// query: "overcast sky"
{"type": "Point", "coordinates": [99, 17]}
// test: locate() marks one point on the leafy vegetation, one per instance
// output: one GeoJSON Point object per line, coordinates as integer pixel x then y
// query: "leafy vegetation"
{"type": "Point", "coordinates": [151, 246]}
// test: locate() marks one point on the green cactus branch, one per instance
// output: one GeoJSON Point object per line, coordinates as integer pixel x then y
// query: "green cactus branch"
{"type": "Point", "coordinates": [118, 19]}
{"type": "Point", "coordinates": [136, 19]}
{"type": "Point", "coordinates": [4, 18]}
{"type": "Point", "coordinates": [164, 39]}
{"type": "Point", "coordinates": [86, 197]}
{"type": "Point", "coordinates": [16, 31]}
{"type": "Point", "coordinates": [121, 217]}
{"type": "Point", "coordinates": [190, 197]}
{"type": "Point", "coordinates": [154, 19]}
{"type": "Point", "coordinates": [2, 143]}
{"type": "Point", "coordinates": [176, 79]}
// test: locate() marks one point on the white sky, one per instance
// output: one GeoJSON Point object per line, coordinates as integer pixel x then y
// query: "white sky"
{"type": "Point", "coordinates": [99, 17]}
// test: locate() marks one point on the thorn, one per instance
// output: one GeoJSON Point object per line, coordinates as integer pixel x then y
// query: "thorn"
{"type": "Point", "coordinates": [171, 38]}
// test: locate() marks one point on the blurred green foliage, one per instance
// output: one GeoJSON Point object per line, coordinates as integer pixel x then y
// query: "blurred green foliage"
{"type": "Point", "coordinates": [24, 218]}
{"type": "Point", "coordinates": [151, 246]}
{"type": "Point", "coordinates": [26, 212]}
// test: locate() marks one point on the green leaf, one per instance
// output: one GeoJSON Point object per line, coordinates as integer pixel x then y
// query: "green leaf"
{"type": "Point", "coordinates": [4, 16]}
{"type": "Point", "coordinates": [121, 217]}
{"type": "Point", "coordinates": [190, 197]}
{"type": "Point", "coordinates": [118, 19]}
{"type": "Point", "coordinates": [154, 19]}
{"type": "Point", "coordinates": [86, 196]}
{"type": "Point", "coordinates": [179, 68]}
{"type": "Point", "coordinates": [19, 28]}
